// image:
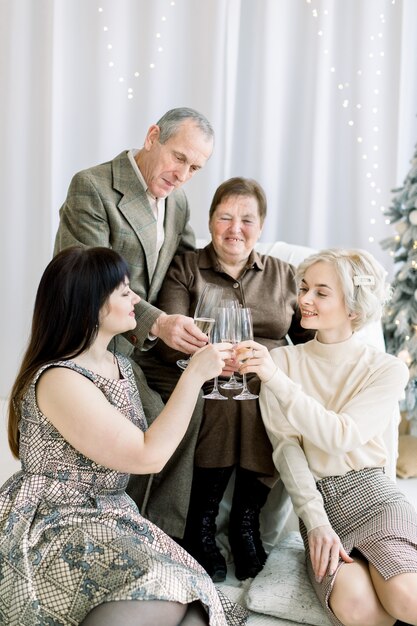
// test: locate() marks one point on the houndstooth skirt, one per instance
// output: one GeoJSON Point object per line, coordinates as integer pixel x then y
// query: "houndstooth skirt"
{"type": "Point", "coordinates": [368, 512]}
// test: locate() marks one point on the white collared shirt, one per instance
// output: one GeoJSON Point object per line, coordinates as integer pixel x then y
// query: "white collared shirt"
{"type": "Point", "coordinates": [157, 204]}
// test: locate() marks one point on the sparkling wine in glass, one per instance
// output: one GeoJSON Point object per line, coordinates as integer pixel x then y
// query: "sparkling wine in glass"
{"type": "Point", "coordinates": [205, 324]}
{"type": "Point", "coordinates": [246, 332]}
{"type": "Point", "coordinates": [208, 301]}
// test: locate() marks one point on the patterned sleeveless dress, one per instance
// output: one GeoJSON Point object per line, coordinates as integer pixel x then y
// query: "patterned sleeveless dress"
{"type": "Point", "coordinates": [71, 538]}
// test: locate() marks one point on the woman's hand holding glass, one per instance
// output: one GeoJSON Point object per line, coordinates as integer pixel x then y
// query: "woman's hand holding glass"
{"type": "Point", "coordinates": [208, 362]}
{"type": "Point", "coordinates": [208, 301]}
{"type": "Point", "coordinates": [255, 358]}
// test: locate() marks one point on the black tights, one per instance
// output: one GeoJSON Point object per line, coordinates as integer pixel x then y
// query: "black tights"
{"type": "Point", "coordinates": [146, 613]}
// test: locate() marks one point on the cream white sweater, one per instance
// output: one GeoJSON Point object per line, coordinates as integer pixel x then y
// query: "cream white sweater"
{"type": "Point", "coordinates": [325, 410]}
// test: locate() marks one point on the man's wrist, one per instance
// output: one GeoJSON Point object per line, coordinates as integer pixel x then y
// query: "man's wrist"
{"type": "Point", "coordinates": [154, 330]}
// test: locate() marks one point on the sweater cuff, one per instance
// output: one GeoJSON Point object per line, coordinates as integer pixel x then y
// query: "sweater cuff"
{"type": "Point", "coordinates": [313, 515]}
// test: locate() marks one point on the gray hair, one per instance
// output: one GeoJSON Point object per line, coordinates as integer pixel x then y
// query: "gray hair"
{"type": "Point", "coordinates": [172, 120]}
{"type": "Point", "coordinates": [362, 279]}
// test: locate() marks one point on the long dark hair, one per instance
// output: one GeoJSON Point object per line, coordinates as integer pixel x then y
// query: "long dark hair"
{"type": "Point", "coordinates": [73, 288]}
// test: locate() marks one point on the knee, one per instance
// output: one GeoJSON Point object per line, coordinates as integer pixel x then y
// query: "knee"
{"type": "Point", "coordinates": [401, 600]}
{"type": "Point", "coordinates": [354, 609]}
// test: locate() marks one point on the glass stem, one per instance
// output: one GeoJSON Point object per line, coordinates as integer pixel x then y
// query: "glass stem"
{"type": "Point", "coordinates": [245, 388]}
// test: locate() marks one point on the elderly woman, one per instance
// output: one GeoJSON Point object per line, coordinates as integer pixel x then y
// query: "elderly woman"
{"type": "Point", "coordinates": [232, 434]}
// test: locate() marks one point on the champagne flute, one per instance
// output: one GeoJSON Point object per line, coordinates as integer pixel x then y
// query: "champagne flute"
{"type": "Point", "coordinates": [230, 329]}
{"type": "Point", "coordinates": [230, 333]}
{"type": "Point", "coordinates": [216, 337]}
{"type": "Point", "coordinates": [208, 301]}
{"type": "Point", "coordinates": [246, 332]}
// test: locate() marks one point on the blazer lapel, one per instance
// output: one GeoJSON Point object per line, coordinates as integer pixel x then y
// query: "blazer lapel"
{"type": "Point", "coordinates": [135, 207]}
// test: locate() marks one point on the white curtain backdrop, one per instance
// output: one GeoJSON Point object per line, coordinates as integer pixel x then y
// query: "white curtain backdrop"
{"type": "Point", "coordinates": [316, 99]}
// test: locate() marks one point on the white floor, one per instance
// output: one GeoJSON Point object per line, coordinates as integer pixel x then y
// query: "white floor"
{"type": "Point", "coordinates": [9, 465]}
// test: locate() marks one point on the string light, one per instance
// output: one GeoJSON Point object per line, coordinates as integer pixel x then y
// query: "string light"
{"type": "Point", "coordinates": [150, 66]}
{"type": "Point", "coordinates": [372, 72]}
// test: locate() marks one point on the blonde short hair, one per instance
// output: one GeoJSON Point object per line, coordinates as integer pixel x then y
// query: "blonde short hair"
{"type": "Point", "coordinates": [362, 278]}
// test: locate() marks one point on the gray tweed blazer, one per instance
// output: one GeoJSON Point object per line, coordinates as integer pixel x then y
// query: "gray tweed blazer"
{"type": "Point", "coordinates": [106, 205]}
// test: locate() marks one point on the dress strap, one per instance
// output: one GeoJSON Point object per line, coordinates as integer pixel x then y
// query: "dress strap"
{"type": "Point", "coordinates": [69, 365]}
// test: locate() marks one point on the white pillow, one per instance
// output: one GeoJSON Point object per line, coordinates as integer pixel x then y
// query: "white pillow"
{"type": "Point", "coordinates": [283, 589]}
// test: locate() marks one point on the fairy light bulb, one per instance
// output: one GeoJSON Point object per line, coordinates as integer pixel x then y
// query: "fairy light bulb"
{"type": "Point", "coordinates": [151, 65]}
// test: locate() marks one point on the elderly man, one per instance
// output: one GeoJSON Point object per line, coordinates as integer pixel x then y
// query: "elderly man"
{"type": "Point", "coordinates": [135, 205]}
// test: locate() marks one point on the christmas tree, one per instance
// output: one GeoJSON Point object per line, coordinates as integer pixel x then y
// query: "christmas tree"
{"type": "Point", "coordinates": [400, 318]}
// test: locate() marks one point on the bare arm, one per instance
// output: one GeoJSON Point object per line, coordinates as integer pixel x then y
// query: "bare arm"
{"type": "Point", "coordinates": [84, 417]}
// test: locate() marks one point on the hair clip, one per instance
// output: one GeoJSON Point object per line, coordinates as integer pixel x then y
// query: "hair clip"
{"type": "Point", "coordinates": [363, 279]}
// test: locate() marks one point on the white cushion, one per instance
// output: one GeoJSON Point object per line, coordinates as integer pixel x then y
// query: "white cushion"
{"type": "Point", "coordinates": [289, 252]}
{"type": "Point", "coordinates": [282, 589]}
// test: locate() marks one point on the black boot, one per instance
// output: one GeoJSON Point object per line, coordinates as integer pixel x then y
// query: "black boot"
{"type": "Point", "coordinates": [209, 485]}
{"type": "Point", "coordinates": [244, 535]}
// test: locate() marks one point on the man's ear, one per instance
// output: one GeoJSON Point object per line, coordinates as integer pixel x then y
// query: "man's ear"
{"type": "Point", "coordinates": [152, 136]}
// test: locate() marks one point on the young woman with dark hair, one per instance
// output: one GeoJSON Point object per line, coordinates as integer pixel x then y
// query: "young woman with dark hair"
{"type": "Point", "coordinates": [74, 548]}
